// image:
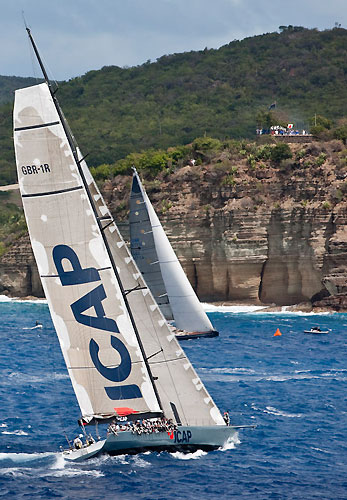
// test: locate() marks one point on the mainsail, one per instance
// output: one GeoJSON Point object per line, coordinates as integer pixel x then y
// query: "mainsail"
{"type": "Point", "coordinates": [160, 266]}
{"type": "Point", "coordinates": [120, 354]}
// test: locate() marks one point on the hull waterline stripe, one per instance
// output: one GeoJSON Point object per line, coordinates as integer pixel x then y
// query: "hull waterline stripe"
{"type": "Point", "coordinates": [30, 127]}
{"type": "Point", "coordinates": [48, 193]}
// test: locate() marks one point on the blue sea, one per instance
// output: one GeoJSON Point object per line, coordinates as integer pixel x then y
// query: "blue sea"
{"type": "Point", "coordinates": [293, 387]}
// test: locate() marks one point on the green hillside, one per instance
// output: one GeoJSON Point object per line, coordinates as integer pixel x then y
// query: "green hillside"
{"type": "Point", "coordinates": [115, 111]}
{"type": "Point", "coordinates": [8, 84]}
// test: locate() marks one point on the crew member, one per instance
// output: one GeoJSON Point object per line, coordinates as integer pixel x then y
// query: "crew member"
{"type": "Point", "coordinates": [226, 418]}
{"type": "Point", "coordinates": [77, 442]}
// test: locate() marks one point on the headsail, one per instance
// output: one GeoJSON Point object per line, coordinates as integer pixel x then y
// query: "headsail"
{"type": "Point", "coordinates": [116, 343]}
{"type": "Point", "coordinates": [158, 263]}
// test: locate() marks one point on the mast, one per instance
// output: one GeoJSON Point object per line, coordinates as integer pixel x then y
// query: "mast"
{"type": "Point", "coordinates": [73, 146]}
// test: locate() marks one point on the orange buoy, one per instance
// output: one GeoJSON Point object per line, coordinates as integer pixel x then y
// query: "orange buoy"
{"type": "Point", "coordinates": [277, 333]}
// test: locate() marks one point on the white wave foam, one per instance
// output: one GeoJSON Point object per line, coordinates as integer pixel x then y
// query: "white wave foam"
{"type": "Point", "coordinates": [59, 462]}
{"type": "Point", "coordinates": [227, 370]}
{"type": "Point", "coordinates": [188, 456]}
{"type": "Point", "coordinates": [75, 472]}
{"type": "Point", "coordinates": [320, 449]}
{"type": "Point", "coordinates": [26, 379]}
{"type": "Point", "coordinates": [17, 432]}
{"type": "Point", "coordinates": [271, 410]}
{"type": "Point", "coordinates": [24, 457]}
{"type": "Point", "coordinates": [299, 313]}
{"type": "Point", "coordinates": [232, 309]}
{"type": "Point", "coordinates": [14, 472]}
{"type": "Point", "coordinates": [3, 425]}
{"type": "Point", "coordinates": [4, 298]}
{"type": "Point", "coordinates": [140, 462]}
{"type": "Point", "coordinates": [231, 443]}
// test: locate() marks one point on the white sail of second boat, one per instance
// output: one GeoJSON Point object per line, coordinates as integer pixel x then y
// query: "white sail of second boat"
{"type": "Point", "coordinates": [160, 266]}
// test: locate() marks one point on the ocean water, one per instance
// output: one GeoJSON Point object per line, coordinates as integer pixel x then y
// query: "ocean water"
{"type": "Point", "coordinates": [293, 387]}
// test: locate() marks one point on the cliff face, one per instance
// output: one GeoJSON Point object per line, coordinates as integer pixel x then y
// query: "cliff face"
{"type": "Point", "coordinates": [273, 235]}
{"type": "Point", "coordinates": [261, 233]}
{"type": "Point", "coordinates": [281, 257]}
{"type": "Point", "coordinates": [19, 276]}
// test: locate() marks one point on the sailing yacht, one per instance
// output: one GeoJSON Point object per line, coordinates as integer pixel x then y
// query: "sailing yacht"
{"type": "Point", "coordinates": [162, 270]}
{"type": "Point", "coordinates": [123, 361]}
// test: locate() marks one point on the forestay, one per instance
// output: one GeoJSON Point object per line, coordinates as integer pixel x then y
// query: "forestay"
{"type": "Point", "coordinates": [115, 342]}
{"type": "Point", "coordinates": [162, 270]}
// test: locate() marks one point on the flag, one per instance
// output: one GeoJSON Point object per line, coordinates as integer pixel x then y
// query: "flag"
{"type": "Point", "coordinates": [273, 105]}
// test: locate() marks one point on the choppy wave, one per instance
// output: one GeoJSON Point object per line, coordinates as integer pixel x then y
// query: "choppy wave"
{"type": "Point", "coordinates": [25, 378]}
{"type": "Point", "coordinates": [23, 458]}
{"type": "Point", "coordinates": [260, 309]}
{"type": "Point", "coordinates": [231, 443]}
{"type": "Point", "coordinates": [188, 456]}
{"type": "Point", "coordinates": [29, 464]}
{"type": "Point", "coordinates": [271, 410]}
{"type": "Point", "coordinates": [247, 374]}
{"type": "Point", "coordinates": [75, 472]}
{"type": "Point", "coordinates": [17, 432]}
{"type": "Point", "coordinates": [320, 450]}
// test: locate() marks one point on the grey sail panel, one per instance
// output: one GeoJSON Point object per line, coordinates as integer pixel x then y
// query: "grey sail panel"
{"type": "Point", "coordinates": [143, 249]}
{"type": "Point", "coordinates": [175, 378]}
{"type": "Point", "coordinates": [96, 336]}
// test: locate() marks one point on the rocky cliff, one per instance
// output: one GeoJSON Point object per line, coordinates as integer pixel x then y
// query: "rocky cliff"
{"type": "Point", "coordinates": [244, 230]}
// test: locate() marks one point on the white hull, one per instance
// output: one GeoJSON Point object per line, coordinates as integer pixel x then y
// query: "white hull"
{"type": "Point", "coordinates": [78, 455]}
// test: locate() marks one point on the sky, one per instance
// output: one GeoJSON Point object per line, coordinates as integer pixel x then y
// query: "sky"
{"type": "Point", "coordinates": [76, 36]}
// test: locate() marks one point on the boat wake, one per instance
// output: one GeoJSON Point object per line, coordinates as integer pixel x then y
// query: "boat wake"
{"type": "Point", "coordinates": [25, 458]}
{"type": "Point", "coordinates": [41, 465]}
